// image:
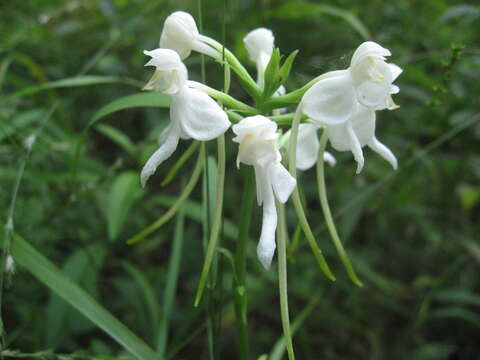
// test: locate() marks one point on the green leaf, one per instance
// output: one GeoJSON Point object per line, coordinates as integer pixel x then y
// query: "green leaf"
{"type": "Point", "coordinates": [82, 267]}
{"type": "Point", "coordinates": [456, 312]}
{"type": "Point", "coordinates": [271, 74]}
{"type": "Point", "coordinates": [125, 189]}
{"type": "Point", "coordinates": [77, 81]}
{"type": "Point", "coordinates": [144, 99]}
{"type": "Point", "coordinates": [171, 285]}
{"type": "Point", "coordinates": [46, 272]}
{"type": "Point", "coordinates": [284, 72]}
{"type": "Point", "coordinates": [117, 137]}
{"type": "Point", "coordinates": [145, 288]}
{"type": "Point", "coordinates": [458, 296]}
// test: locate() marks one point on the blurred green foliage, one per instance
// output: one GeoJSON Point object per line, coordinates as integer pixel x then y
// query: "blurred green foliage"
{"type": "Point", "coordinates": [413, 234]}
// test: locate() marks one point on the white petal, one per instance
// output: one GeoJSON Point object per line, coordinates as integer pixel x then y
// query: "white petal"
{"type": "Point", "coordinates": [199, 116]}
{"type": "Point", "coordinates": [368, 48]}
{"type": "Point", "coordinates": [259, 175]}
{"type": "Point", "coordinates": [394, 89]}
{"type": "Point", "coordinates": [331, 100]}
{"type": "Point", "coordinates": [395, 70]}
{"type": "Point", "coordinates": [266, 245]}
{"type": "Point", "coordinates": [355, 147]}
{"type": "Point", "coordinates": [179, 32]}
{"type": "Point", "coordinates": [164, 59]}
{"type": "Point", "coordinates": [307, 146]}
{"type": "Point", "coordinates": [257, 126]}
{"type": "Point", "coordinates": [159, 156]}
{"type": "Point", "coordinates": [373, 81]}
{"type": "Point", "coordinates": [329, 158]}
{"type": "Point", "coordinates": [363, 122]}
{"type": "Point", "coordinates": [282, 181]}
{"type": "Point", "coordinates": [384, 152]}
{"type": "Point", "coordinates": [259, 41]}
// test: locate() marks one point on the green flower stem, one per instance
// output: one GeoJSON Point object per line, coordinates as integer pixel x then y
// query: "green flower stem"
{"type": "Point", "coordinates": [240, 290]}
{"type": "Point", "coordinates": [328, 214]}
{"type": "Point", "coordinates": [293, 97]}
{"type": "Point", "coordinates": [297, 203]}
{"type": "Point", "coordinates": [224, 98]}
{"type": "Point", "coordinates": [247, 81]}
{"type": "Point", "coordinates": [181, 199]}
{"type": "Point", "coordinates": [282, 280]}
{"type": "Point", "coordinates": [286, 119]}
{"type": "Point", "coordinates": [217, 220]}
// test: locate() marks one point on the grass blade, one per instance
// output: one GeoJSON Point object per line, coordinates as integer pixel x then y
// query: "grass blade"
{"type": "Point", "coordinates": [181, 199]}
{"type": "Point", "coordinates": [46, 272]}
{"type": "Point", "coordinates": [144, 99]}
{"type": "Point", "coordinates": [171, 286]}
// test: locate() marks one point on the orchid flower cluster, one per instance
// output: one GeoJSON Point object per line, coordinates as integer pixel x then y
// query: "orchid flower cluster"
{"type": "Point", "coordinates": [342, 104]}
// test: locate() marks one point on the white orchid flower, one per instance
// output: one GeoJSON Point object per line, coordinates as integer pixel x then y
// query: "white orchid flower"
{"type": "Point", "coordinates": [258, 139]}
{"type": "Point", "coordinates": [180, 33]}
{"type": "Point", "coordinates": [368, 81]}
{"type": "Point", "coordinates": [259, 45]}
{"type": "Point", "coordinates": [193, 114]}
{"type": "Point", "coordinates": [358, 131]}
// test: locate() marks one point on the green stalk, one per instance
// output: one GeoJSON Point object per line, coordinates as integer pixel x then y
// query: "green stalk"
{"type": "Point", "coordinates": [217, 220]}
{"type": "Point", "coordinates": [297, 203]}
{"type": "Point", "coordinates": [282, 280]}
{"type": "Point", "coordinates": [240, 294]}
{"type": "Point", "coordinates": [224, 98]}
{"type": "Point", "coordinates": [328, 214]}
{"type": "Point", "coordinates": [181, 199]}
{"type": "Point", "coordinates": [247, 81]}
{"type": "Point", "coordinates": [293, 97]}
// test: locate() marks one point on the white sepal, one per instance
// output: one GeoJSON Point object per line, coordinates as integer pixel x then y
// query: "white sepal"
{"type": "Point", "coordinates": [163, 153]}
{"type": "Point", "coordinates": [171, 74]}
{"type": "Point", "coordinates": [331, 100]}
{"type": "Point", "coordinates": [307, 146]}
{"type": "Point", "coordinates": [266, 244]}
{"type": "Point", "coordinates": [259, 42]}
{"type": "Point", "coordinates": [199, 116]}
{"type": "Point", "coordinates": [179, 33]}
{"type": "Point", "coordinates": [283, 183]}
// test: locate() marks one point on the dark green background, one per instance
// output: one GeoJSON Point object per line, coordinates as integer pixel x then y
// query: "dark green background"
{"type": "Point", "coordinates": [413, 234]}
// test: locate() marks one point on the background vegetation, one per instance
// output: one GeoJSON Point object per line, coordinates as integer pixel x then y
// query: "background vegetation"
{"type": "Point", "coordinates": [412, 234]}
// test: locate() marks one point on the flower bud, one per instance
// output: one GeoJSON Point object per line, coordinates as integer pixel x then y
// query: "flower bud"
{"type": "Point", "coordinates": [179, 33]}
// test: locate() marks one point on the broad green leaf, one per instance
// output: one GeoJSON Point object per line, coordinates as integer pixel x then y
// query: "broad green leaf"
{"type": "Point", "coordinates": [124, 191]}
{"type": "Point", "coordinates": [46, 272]}
{"type": "Point", "coordinates": [117, 137]}
{"type": "Point", "coordinates": [144, 99]}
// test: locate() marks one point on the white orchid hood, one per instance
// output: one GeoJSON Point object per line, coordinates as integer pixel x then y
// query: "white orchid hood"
{"type": "Point", "coordinates": [180, 33]}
